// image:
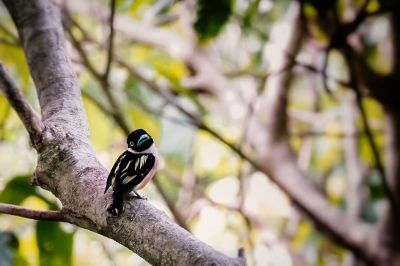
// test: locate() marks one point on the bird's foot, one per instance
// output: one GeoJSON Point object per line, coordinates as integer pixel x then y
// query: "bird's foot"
{"type": "Point", "coordinates": [139, 197]}
{"type": "Point", "coordinates": [114, 211]}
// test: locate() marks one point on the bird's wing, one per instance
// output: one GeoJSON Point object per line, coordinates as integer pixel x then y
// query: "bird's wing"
{"type": "Point", "coordinates": [133, 172]}
{"type": "Point", "coordinates": [114, 171]}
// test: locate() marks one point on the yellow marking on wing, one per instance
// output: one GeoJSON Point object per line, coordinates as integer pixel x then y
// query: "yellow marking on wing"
{"type": "Point", "coordinates": [137, 163]}
{"type": "Point", "coordinates": [127, 166]}
{"type": "Point", "coordinates": [119, 163]}
{"type": "Point", "coordinates": [128, 179]}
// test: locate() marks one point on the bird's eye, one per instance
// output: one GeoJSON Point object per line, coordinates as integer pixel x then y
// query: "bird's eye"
{"type": "Point", "coordinates": [131, 143]}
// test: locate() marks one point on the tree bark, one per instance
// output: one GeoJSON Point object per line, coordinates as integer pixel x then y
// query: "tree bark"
{"type": "Point", "coordinates": [67, 165]}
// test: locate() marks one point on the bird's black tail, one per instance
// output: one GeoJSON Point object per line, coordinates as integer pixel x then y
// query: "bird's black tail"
{"type": "Point", "coordinates": [116, 207]}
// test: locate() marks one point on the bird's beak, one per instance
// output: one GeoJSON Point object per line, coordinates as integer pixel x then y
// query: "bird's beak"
{"type": "Point", "coordinates": [143, 139]}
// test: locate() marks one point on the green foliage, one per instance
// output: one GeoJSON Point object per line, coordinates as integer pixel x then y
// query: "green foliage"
{"type": "Point", "coordinates": [376, 190]}
{"type": "Point", "coordinates": [17, 190]}
{"type": "Point", "coordinates": [211, 17]}
{"type": "Point", "coordinates": [9, 254]}
{"type": "Point", "coordinates": [142, 119]}
{"type": "Point", "coordinates": [389, 3]}
{"type": "Point", "coordinates": [321, 6]}
{"type": "Point", "coordinates": [55, 245]}
{"type": "Point", "coordinates": [8, 248]}
{"type": "Point", "coordinates": [14, 58]}
{"type": "Point", "coordinates": [98, 122]}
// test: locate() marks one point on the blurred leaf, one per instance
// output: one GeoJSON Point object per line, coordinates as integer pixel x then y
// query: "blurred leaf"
{"type": "Point", "coordinates": [211, 17]}
{"type": "Point", "coordinates": [15, 61]}
{"type": "Point", "coordinates": [336, 188]}
{"type": "Point", "coordinates": [171, 188]}
{"type": "Point", "coordinates": [4, 107]}
{"type": "Point", "coordinates": [321, 6]}
{"type": "Point", "coordinates": [101, 127]}
{"type": "Point", "coordinates": [8, 248]}
{"type": "Point", "coordinates": [368, 212]}
{"type": "Point", "coordinates": [365, 150]}
{"type": "Point", "coordinates": [303, 233]}
{"type": "Point", "coordinates": [9, 254]}
{"type": "Point", "coordinates": [138, 8]}
{"type": "Point", "coordinates": [251, 10]}
{"type": "Point", "coordinates": [374, 182]}
{"type": "Point", "coordinates": [213, 159]}
{"type": "Point", "coordinates": [142, 119]}
{"type": "Point", "coordinates": [389, 3]}
{"type": "Point", "coordinates": [326, 152]}
{"type": "Point", "coordinates": [17, 190]}
{"type": "Point", "coordinates": [55, 245]}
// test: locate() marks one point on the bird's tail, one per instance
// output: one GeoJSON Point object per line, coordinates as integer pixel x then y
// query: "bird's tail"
{"type": "Point", "coordinates": [116, 207]}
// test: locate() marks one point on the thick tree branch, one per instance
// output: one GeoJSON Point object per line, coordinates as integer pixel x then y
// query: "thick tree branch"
{"type": "Point", "coordinates": [56, 216]}
{"type": "Point", "coordinates": [28, 116]}
{"type": "Point", "coordinates": [58, 90]}
{"type": "Point", "coordinates": [67, 165]}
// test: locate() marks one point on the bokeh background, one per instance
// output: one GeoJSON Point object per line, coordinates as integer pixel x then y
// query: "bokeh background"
{"type": "Point", "coordinates": [192, 73]}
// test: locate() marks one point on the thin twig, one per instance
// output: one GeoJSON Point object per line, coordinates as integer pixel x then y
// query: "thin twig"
{"type": "Point", "coordinates": [118, 116]}
{"type": "Point", "coordinates": [171, 205]}
{"type": "Point", "coordinates": [324, 72]}
{"type": "Point", "coordinates": [110, 41]}
{"type": "Point", "coordinates": [28, 116]}
{"type": "Point", "coordinates": [374, 148]}
{"type": "Point", "coordinates": [15, 210]}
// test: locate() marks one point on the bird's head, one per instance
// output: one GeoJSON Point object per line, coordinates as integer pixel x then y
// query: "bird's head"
{"type": "Point", "coordinates": [138, 140]}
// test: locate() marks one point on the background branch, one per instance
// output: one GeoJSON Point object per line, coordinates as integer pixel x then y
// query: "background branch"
{"type": "Point", "coordinates": [10, 209]}
{"type": "Point", "coordinates": [378, 162]}
{"type": "Point", "coordinates": [28, 116]}
{"type": "Point", "coordinates": [110, 41]}
{"type": "Point", "coordinates": [279, 161]}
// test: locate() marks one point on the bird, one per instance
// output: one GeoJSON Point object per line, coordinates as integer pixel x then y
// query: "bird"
{"type": "Point", "coordinates": [133, 169]}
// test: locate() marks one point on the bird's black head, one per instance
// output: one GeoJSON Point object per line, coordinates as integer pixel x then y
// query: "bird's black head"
{"type": "Point", "coordinates": [139, 140]}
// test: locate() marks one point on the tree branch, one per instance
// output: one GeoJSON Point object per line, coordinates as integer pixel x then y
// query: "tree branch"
{"type": "Point", "coordinates": [56, 216]}
{"type": "Point", "coordinates": [171, 205]}
{"type": "Point", "coordinates": [55, 80]}
{"type": "Point", "coordinates": [393, 200]}
{"type": "Point", "coordinates": [28, 116]}
{"type": "Point", "coordinates": [102, 79]}
{"type": "Point", "coordinates": [280, 164]}
{"type": "Point", "coordinates": [206, 75]}
{"type": "Point", "coordinates": [67, 165]}
{"type": "Point", "coordinates": [110, 41]}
